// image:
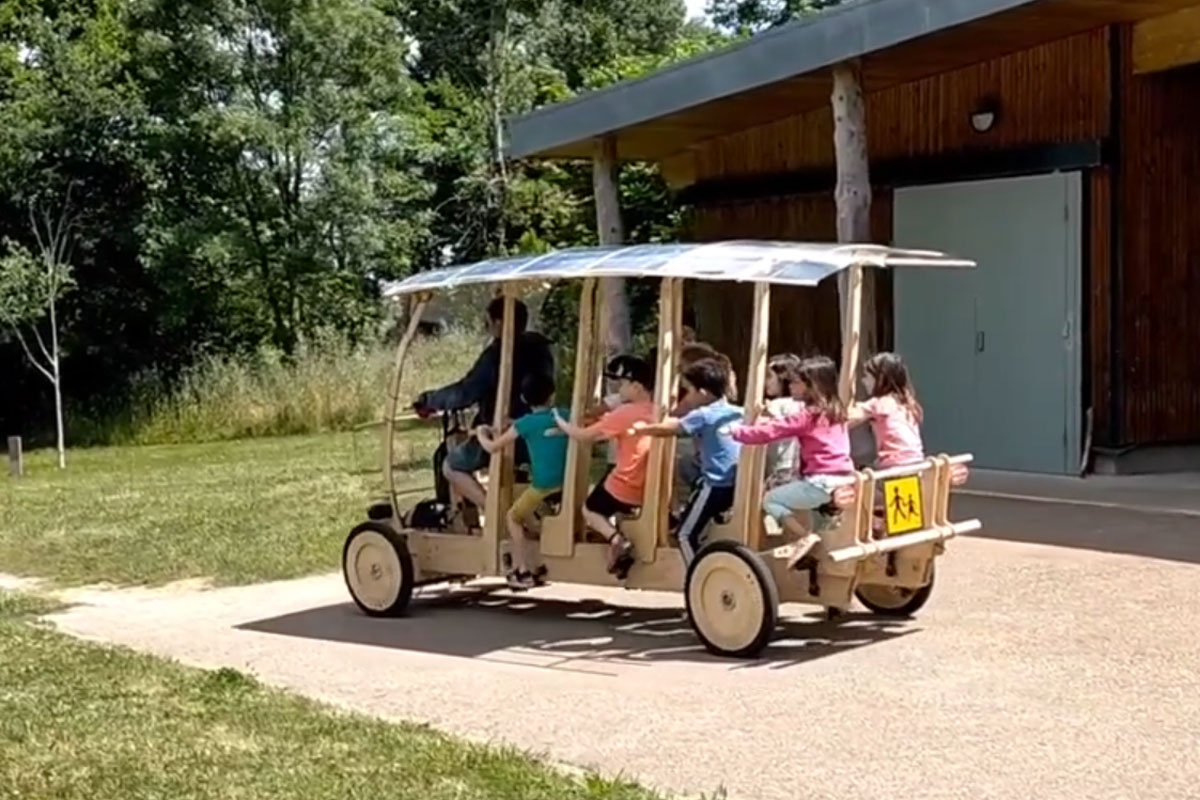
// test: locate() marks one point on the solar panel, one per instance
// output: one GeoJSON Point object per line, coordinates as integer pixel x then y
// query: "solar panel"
{"type": "Point", "coordinates": [788, 263]}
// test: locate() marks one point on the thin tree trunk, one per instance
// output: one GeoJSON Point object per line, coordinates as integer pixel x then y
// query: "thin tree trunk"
{"type": "Point", "coordinates": [55, 364]}
{"type": "Point", "coordinates": [496, 87]}
{"type": "Point", "coordinates": [610, 229]}
{"type": "Point", "coordinates": [853, 198]}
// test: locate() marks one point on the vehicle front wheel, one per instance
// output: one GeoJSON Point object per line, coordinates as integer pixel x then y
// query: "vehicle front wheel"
{"type": "Point", "coordinates": [378, 569]}
{"type": "Point", "coordinates": [732, 600]}
{"type": "Point", "coordinates": [894, 601]}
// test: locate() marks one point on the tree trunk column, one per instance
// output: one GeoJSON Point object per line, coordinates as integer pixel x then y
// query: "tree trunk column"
{"type": "Point", "coordinates": [614, 323]}
{"type": "Point", "coordinates": [853, 198]}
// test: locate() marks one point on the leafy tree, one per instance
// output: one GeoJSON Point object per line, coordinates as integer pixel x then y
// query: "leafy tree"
{"type": "Point", "coordinates": [292, 159]}
{"type": "Point", "coordinates": [752, 16]}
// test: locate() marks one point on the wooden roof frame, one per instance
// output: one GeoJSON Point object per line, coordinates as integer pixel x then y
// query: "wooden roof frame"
{"type": "Point", "coordinates": [785, 70]}
{"type": "Point", "coordinates": [840, 34]}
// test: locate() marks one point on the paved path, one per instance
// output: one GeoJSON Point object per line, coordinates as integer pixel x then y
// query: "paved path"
{"type": "Point", "coordinates": [1035, 671]}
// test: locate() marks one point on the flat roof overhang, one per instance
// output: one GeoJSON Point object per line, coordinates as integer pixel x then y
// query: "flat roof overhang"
{"type": "Point", "coordinates": [786, 71]}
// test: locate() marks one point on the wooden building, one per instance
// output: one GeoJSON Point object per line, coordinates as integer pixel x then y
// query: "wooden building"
{"type": "Point", "coordinates": [1056, 142]}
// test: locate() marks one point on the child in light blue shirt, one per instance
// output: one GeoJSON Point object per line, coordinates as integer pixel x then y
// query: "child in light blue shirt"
{"type": "Point", "coordinates": [710, 422]}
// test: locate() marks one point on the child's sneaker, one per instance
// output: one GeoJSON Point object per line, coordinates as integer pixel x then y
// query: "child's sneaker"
{"type": "Point", "coordinates": [620, 556]}
{"type": "Point", "coordinates": [802, 552]}
{"type": "Point", "coordinates": [520, 581]}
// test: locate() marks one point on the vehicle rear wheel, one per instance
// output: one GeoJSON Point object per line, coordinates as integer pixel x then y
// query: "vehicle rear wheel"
{"type": "Point", "coordinates": [732, 601]}
{"type": "Point", "coordinates": [378, 570]}
{"type": "Point", "coordinates": [894, 601]}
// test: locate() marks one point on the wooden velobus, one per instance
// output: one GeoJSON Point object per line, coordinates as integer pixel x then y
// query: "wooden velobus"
{"type": "Point", "coordinates": [736, 582]}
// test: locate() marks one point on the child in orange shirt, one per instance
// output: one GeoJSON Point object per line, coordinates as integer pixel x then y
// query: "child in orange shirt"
{"type": "Point", "coordinates": [621, 490]}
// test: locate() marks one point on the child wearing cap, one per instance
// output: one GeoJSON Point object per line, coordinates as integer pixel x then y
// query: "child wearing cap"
{"type": "Point", "coordinates": [621, 490]}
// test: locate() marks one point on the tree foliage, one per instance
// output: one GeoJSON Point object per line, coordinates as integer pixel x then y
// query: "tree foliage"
{"type": "Point", "coordinates": [752, 16]}
{"type": "Point", "coordinates": [244, 173]}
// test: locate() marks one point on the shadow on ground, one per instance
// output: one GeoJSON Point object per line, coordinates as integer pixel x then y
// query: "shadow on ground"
{"type": "Point", "coordinates": [478, 622]}
{"type": "Point", "coordinates": [1128, 532]}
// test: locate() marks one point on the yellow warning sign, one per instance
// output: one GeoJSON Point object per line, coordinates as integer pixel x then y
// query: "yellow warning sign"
{"type": "Point", "coordinates": [902, 504]}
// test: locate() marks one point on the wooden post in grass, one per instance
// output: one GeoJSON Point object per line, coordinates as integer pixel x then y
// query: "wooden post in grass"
{"type": "Point", "coordinates": [853, 198]}
{"type": "Point", "coordinates": [16, 466]}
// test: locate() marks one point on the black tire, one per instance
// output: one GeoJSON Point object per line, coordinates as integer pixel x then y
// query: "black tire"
{"type": "Point", "coordinates": [758, 632]}
{"type": "Point", "coordinates": [392, 579]}
{"type": "Point", "coordinates": [910, 605]}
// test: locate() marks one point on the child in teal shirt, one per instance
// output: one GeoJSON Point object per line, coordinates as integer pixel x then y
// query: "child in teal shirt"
{"type": "Point", "coordinates": [547, 464]}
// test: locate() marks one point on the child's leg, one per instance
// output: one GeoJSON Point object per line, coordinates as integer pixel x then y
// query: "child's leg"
{"type": "Point", "coordinates": [516, 535]}
{"type": "Point", "coordinates": [801, 495]}
{"type": "Point", "coordinates": [460, 467]}
{"type": "Point", "coordinates": [600, 524]}
{"type": "Point", "coordinates": [525, 506]}
{"type": "Point", "coordinates": [705, 504]}
{"type": "Point", "coordinates": [598, 511]}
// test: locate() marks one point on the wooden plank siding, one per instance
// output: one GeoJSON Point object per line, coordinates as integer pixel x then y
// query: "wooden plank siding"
{"type": "Point", "coordinates": [1057, 92]}
{"type": "Point", "coordinates": [1159, 293]}
{"type": "Point", "coordinates": [803, 321]}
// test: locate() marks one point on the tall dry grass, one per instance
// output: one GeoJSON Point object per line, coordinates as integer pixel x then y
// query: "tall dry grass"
{"type": "Point", "coordinates": [327, 386]}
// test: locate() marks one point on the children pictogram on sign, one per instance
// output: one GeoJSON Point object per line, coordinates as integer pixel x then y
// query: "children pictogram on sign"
{"type": "Point", "coordinates": [898, 506]}
{"type": "Point", "coordinates": [903, 504]}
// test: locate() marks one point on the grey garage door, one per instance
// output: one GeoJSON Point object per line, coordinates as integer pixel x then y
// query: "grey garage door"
{"type": "Point", "coordinates": [994, 350]}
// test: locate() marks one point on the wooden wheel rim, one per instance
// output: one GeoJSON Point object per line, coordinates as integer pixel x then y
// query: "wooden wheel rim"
{"type": "Point", "coordinates": [890, 597]}
{"type": "Point", "coordinates": [727, 601]}
{"type": "Point", "coordinates": [373, 570]}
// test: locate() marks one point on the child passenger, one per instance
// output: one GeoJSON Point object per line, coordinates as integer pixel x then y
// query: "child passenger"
{"type": "Point", "coordinates": [710, 423]}
{"type": "Point", "coordinates": [621, 490]}
{"type": "Point", "coordinates": [547, 463]}
{"type": "Point", "coordinates": [893, 411]}
{"type": "Point", "coordinates": [783, 457]}
{"type": "Point", "coordinates": [820, 429]}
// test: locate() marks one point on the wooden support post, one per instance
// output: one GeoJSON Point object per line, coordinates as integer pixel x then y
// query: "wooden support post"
{"type": "Point", "coordinates": [501, 468]}
{"type": "Point", "coordinates": [16, 466]}
{"type": "Point", "coordinates": [558, 531]}
{"type": "Point", "coordinates": [610, 230]}
{"type": "Point", "coordinates": [644, 530]}
{"type": "Point", "coordinates": [853, 197]}
{"type": "Point", "coordinates": [746, 520]}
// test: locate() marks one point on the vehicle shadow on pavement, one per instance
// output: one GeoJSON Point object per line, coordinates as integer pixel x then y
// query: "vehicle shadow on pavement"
{"type": "Point", "coordinates": [482, 622]}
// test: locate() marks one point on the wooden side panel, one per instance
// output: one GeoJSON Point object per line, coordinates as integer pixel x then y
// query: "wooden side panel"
{"type": "Point", "coordinates": [1160, 274]}
{"type": "Point", "coordinates": [803, 321]}
{"type": "Point", "coordinates": [1057, 92]}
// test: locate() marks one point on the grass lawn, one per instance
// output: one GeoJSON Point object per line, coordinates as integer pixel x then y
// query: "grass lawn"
{"type": "Point", "coordinates": [237, 512]}
{"type": "Point", "coordinates": [90, 722]}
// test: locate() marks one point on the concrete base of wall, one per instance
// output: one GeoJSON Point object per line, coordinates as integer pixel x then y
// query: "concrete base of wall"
{"type": "Point", "coordinates": [1146, 460]}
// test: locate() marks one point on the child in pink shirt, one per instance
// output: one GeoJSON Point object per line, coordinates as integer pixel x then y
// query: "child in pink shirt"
{"type": "Point", "coordinates": [825, 464]}
{"type": "Point", "coordinates": [893, 411]}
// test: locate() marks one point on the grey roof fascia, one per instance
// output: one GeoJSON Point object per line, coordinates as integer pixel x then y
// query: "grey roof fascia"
{"type": "Point", "coordinates": [844, 32]}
